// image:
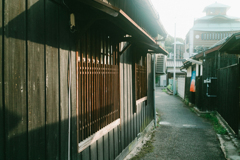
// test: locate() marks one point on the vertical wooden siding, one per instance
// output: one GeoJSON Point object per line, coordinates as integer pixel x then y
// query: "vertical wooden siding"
{"type": "Point", "coordinates": [187, 89]}
{"type": "Point", "coordinates": [35, 91]}
{"type": "Point", "coordinates": [2, 120]}
{"type": "Point", "coordinates": [36, 80]}
{"type": "Point", "coordinates": [34, 88]}
{"type": "Point", "coordinates": [228, 97]}
{"type": "Point", "coordinates": [199, 93]}
{"type": "Point", "coordinates": [15, 81]}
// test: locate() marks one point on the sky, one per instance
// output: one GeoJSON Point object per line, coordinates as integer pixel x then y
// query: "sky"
{"type": "Point", "coordinates": [186, 11]}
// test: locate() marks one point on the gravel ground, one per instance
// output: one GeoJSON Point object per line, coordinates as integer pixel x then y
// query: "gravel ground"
{"type": "Point", "coordinates": [182, 134]}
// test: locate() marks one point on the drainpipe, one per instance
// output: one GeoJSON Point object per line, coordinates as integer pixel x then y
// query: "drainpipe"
{"type": "Point", "coordinates": [154, 87]}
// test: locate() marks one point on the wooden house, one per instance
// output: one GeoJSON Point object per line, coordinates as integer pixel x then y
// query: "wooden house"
{"type": "Point", "coordinates": [76, 77]}
{"type": "Point", "coordinates": [218, 81]}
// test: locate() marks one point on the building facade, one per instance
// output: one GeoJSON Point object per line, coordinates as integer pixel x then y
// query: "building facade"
{"type": "Point", "coordinates": [211, 28]}
{"type": "Point", "coordinates": [81, 90]}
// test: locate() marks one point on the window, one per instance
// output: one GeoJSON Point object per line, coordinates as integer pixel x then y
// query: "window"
{"type": "Point", "coordinates": [213, 36]}
{"type": "Point", "coordinates": [218, 35]}
{"type": "Point", "coordinates": [210, 36]}
{"type": "Point", "coordinates": [224, 35]}
{"type": "Point", "coordinates": [221, 36]}
{"type": "Point", "coordinates": [141, 77]}
{"type": "Point", "coordinates": [207, 36]}
{"type": "Point", "coordinates": [98, 92]}
{"type": "Point", "coordinates": [227, 34]}
{"type": "Point", "coordinates": [204, 36]}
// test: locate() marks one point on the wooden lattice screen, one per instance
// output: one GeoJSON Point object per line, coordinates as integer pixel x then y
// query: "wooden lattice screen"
{"type": "Point", "coordinates": [98, 83]}
{"type": "Point", "coordinates": [141, 79]}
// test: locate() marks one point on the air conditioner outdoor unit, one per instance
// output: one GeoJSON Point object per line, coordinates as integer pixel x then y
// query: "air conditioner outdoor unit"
{"type": "Point", "coordinates": [160, 65]}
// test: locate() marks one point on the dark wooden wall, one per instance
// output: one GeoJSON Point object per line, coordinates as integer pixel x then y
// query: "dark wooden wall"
{"type": "Point", "coordinates": [188, 94]}
{"type": "Point", "coordinates": [2, 128]}
{"type": "Point", "coordinates": [35, 48]}
{"type": "Point", "coordinates": [199, 93]}
{"type": "Point", "coordinates": [225, 68]}
{"type": "Point", "coordinates": [35, 43]}
{"type": "Point", "coordinates": [209, 70]}
{"type": "Point", "coordinates": [213, 62]}
{"type": "Point", "coordinates": [228, 95]}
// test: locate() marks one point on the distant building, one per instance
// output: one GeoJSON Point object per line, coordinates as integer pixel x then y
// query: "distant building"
{"type": "Point", "coordinates": [211, 28]}
{"type": "Point", "coordinates": [179, 50]}
{"type": "Point", "coordinates": [165, 79]}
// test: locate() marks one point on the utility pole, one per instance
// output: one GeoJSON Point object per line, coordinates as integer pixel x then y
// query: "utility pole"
{"type": "Point", "coordinates": [174, 70]}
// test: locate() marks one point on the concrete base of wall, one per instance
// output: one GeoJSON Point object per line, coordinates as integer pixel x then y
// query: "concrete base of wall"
{"type": "Point", "coordinates": [134, 143]}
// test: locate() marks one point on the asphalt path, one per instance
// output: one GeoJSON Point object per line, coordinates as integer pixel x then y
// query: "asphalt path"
{"type": "Point", "coordinates": [182, 135]}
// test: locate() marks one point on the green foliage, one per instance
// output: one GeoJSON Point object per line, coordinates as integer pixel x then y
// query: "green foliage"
{"type": "Point", "coordinates": [164, 90]}
{"type": "Point", "coordinates": [147, 148]}
{"type": "Point", "coordinates": [169, 43]}
{"type": "Point", "coordinates": [169, 87]}
{"type": "Point", "coordinates": [186, 101]}
{"type": "Point", "coordinates": [199, 49]}
{"type": "Point", "coordinates": [157, 79]}
{"type": "Point", "coordinates": [213, 119]}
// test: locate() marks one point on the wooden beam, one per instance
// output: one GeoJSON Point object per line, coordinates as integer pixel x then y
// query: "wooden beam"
{"type": "Point", "coordinates": [141, 100]}
{"type": "Point", "coordinates": [124, 49]}
{"type": "Point", "coordinates": [93, 138]}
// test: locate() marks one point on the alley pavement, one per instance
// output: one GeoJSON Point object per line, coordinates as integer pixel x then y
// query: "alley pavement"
{"type": "Point", "coordinates": [182, 135]}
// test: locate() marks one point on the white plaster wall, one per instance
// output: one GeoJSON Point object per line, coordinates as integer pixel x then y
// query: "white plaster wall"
{"type": "Point", "coordinates": [189, 71]}
{"type": "Point", "coordinates": [181, 87]}
{"type": "Point", "coordinates": [197, 70]}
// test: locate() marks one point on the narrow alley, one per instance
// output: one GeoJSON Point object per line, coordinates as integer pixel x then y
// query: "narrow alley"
{"type": "Point", "coordinates": [182, 134]}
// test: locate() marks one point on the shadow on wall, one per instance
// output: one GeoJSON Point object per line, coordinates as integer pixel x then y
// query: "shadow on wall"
{"type": "Point", "coordinates": [52, 145]}
{"type": "Point", "coordinates": [43, 23]}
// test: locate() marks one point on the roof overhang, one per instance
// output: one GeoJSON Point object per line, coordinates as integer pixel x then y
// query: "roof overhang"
{"type": "Point", "coordinates": [212, 49]}
{"type": "Point", "coordinates": [232, 45]}
{"type": "Point", "coordinates": [194, 61]}
{"type": "Point", "coordinates": [155, 48]}
{"type": "Point", "coordinates": [152, 47]}
{"type": "Point", "coordinates": [124, 22]}
{"type": "Point", "coordinates": [189, 62]}
{"type": "Point", "coordinates": [199, 55]}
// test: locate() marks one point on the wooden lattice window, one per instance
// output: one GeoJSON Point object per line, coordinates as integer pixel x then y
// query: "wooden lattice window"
{"type": "Point", "coordinates": [141, 78]}
{"type": "Point", "coordinates": [97, 82]}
